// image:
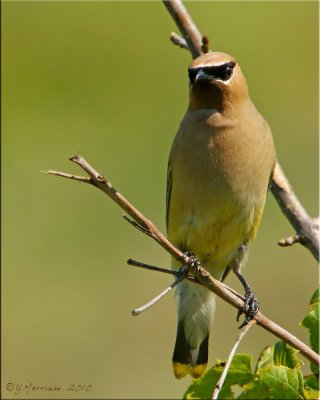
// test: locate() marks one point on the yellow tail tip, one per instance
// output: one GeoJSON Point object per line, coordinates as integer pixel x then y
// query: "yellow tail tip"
{"type": "Point", "coordinates": [181, 370]}
{"type": "Point", "coordinates": [198, 370]}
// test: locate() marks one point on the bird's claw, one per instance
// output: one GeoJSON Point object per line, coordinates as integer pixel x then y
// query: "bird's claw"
{"type": "Point", "coordinates": [193, 262]}
{"type": "Point", "coordinates": [250, 308]}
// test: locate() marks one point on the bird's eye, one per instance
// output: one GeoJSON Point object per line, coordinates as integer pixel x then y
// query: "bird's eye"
{"type": "Point", "coordinates": [228, 71]}
{"type": "Point", "coordinates": [224, 72]}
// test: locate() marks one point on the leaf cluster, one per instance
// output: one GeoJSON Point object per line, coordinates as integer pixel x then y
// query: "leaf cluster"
{"type": "Point", "coordinates": [277, 374]}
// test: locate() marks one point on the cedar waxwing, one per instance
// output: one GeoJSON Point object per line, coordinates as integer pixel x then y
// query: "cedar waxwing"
{"type": "Point", "coordinates": [220, 167]}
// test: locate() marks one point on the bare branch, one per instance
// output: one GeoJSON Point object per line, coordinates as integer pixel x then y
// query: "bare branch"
{"type": "Point", "coordinates": [201, 275]}
{"type": "Point", "coordinates": [222, 378]}
{"type": "Point", "coordinates": [180, 276]}
{"type": "Point", "coordinates": [289, 241]}
{"type": "Point", "coordinates": [69, 176]}
{"type": "Point", "coordinates": [179, 41]}
{"type": "Point", "coordinates": [175, 273]}
{"type": "Point", "coordinates": [186, 26]}
{"type": "Point", "coordinates": [306, 228]}
{"type": "Point", "coordinates": [151, 267]}
{"type": "Point", "coordinates": [136, 225]}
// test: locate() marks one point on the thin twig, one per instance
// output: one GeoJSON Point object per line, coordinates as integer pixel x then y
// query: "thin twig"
{"type": "Point", "coordinates": [289, 241]}
{"type": "Point", "coordinates": [151, 267]}
{"type": "Point", "coordinates": [70, 176]}
{"type": "Point", "coordinates": [306, 227]}
{"type": "Point", "coordinates": [186, 26]}
{"type": "Point", "coordinates": [175, 273]}
{"type": "Point", "coordinates": [180, 277]}
{"type": "Point", "coordinates": [136, 225]}
{"type": "Point", "coordinates": [222, 378]}
{"type": "Point", "coordinates": [179, 41]}
{"type": "Point", "coordinates": [201, 275]}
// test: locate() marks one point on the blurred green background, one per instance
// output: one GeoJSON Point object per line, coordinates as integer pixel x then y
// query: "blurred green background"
{"type": "Point", "coordinates": [103, 80]}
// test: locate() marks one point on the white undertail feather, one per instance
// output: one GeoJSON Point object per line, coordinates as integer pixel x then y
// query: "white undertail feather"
{"type": "Point", "coordinates": [196, 305]}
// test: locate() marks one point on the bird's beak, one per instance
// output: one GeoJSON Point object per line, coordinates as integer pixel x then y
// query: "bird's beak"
{"type": "Point", "coordinates": [202, 76]}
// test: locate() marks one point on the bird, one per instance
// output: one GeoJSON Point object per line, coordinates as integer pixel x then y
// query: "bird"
{"type": "Point", "coordinates": [220, 168]}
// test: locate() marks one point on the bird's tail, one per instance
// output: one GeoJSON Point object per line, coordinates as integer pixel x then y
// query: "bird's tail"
{"type": "Point", "coordinates": [195, 312]}
{"type": "Point", "coordinates": [187, 360]}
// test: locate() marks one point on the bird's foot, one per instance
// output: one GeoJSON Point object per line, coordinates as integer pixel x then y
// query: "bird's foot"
{"type": "Point", "coordinates": [250, 307]}
{"type": "Point", "coordinates": [192, 263]}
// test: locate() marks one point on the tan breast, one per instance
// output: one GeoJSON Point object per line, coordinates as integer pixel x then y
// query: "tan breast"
{"type": "Point", "coordinates": [220, 176]}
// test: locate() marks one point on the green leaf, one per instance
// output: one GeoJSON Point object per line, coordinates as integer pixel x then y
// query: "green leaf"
{"type": "Point", "coordinates": [240, 370]}
{"type": "Point", "coordinates": [311, 322]}
{"type": "Point", "coordinates": [311, 388]}
{"type": "Point", "coordinates": [315, 297]}
{"type": "Point", "coordinates": [239, 374]}
{"type": "Point", "coordinates": [311, 382]}
{"type": "Point", "coordinates": [286, 355]}
{"type": "Point", "coordinates": [275, 382]}
{"type": "Point", "coordinates": [265, 358]}
{"type": "Point", "coordinates": [202, 388]}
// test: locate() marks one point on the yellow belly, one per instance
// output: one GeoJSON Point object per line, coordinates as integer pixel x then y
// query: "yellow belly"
{"type": "Point", "coordinates": [214, 235]}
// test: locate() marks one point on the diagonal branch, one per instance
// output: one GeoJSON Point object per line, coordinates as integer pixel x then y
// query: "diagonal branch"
{"type": "Point", "coordinates": [186, 26]}
{"type": "Point", "coordinates": [202, 276]}
{"type": "Point", "coordinates": [307, 228]}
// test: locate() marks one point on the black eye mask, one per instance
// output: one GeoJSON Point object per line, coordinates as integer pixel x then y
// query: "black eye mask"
{"type": "Point", "coordinates": [222, 72]}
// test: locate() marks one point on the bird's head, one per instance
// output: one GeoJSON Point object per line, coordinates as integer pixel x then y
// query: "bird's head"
{"type": "Point", "coordinates": [216, 81]}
